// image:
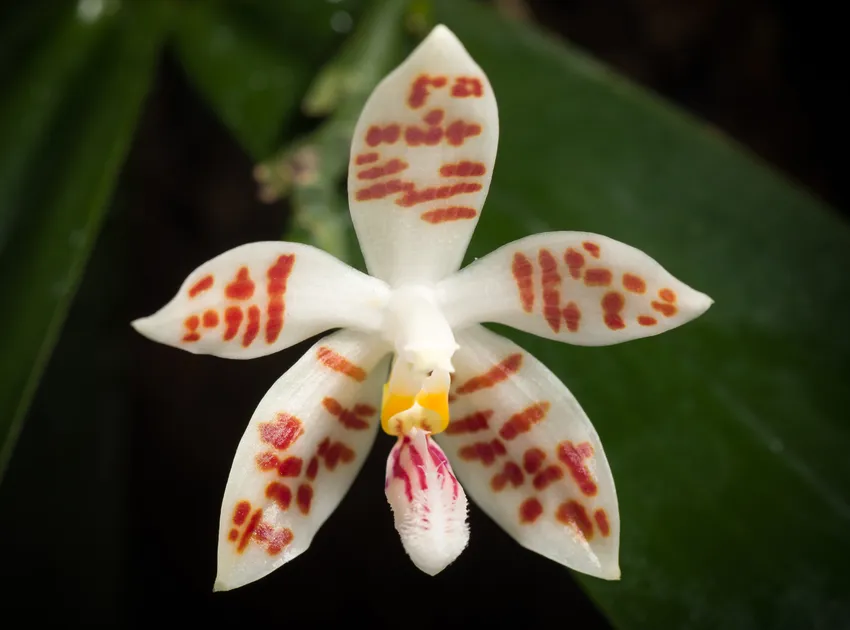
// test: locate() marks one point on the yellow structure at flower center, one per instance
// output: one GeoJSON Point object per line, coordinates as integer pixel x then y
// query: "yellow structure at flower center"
{"type": "Point", "coordinates": [427, 410]}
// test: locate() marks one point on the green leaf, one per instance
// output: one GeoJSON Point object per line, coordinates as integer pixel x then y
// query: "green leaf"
{"type": "Point", "coordinates": [728, 438]}
{"type": "Point", "coordinates": [66, 122]}
{"type": "Point", "coordinates": [254, 61]}
{"type": "Point", "coordinates": [312, 170]}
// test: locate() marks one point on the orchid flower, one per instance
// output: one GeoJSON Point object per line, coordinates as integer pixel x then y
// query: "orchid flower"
{"type": "Point", "coordinates": [472, 411]}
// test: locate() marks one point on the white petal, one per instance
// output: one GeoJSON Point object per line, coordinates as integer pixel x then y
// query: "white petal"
{"type": "Point", "coordinates": [421, 162]}
{"type": "Point", "coordinates": [529, 457]}
{"type": "Point", "coordinates": [259, 298]}
{"type": "Point", "coordinates": [429, 506]}
{"type": "Point", "coordinates": [299, 455]}
{"type": "Point", "coordinates": [576, 287]}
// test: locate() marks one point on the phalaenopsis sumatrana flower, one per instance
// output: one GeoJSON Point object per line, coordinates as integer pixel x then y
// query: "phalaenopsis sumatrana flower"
{"type": "Point", "coordinates": [472, 411]}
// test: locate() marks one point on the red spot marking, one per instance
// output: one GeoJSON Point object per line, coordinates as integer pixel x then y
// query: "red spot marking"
{"type": "Point", "coordinates": [646, 320]}
{"type": "Point", "coordinates": [413, 197]}
{"type": "Point", "coordinates": [572, 316]}
{"type": "Point", "coordinates": [478, 421]}
{"type": "Point", "coordinates": [304, 497]}
{"type": "Point", "coordinates": [350, 419]}
{"type": "Point", "coordinates": [668, 310]}
{"type": "Point", "coordinates": [252, 329]}
{"type": "Point", "coordinates": [278, 275]}
{"type": "Point", "coordinates": [511, 473]}
{"type": "Point", "coordinates": [366, 158]}
{"type": "Point", "coordinates": [532, 460]}
{"type": "Point", "coordinates": [267, 461]}
{"type": "Point", "coordinates": [487, 452]}
{"type": "Point", "coordinates": [551, 280]}
{"type": "Point", "coordinates": [335, 453]}
{"type": "Point", "coordinates": [530, 510]}
{"type": "Point", "coordinates": [602, 522]}
{"type": "Point", "coordinates": [416, 136]}
{"type": "Point", "coordinates": [233, 535]}
{"type": "Point", "coordinates": [280, 494]}
{"type": "Point", "coordinates": [313, 468]}
{"type": "Point", "coordinates": [523, 421]}
{"type": "Point", "coordinates": [249, 530]}
{"type": "Point", "coordinates": [282, 432]}
{"type": "Point", "coordinates": [210, 319]}
{"type": "Point", "coordinates": [573, 457]}
{"type": "Point", "coordinates": [388, 134]}
{"type": "Point", "coordinates": [575, 261]}
{"type": "Point", "coordinates": [242, 287]}
{"type": "Point", "coordinates": [232, 319]}
{"type": "Point", "coordinates": [668, 295]}
{"type": "Point", "coordinates": [612, 305]}
{"type": "Point", "coordinates": [290, 467]}
{"type": "Point", "coordinates": [634, 283]}
{"type": "Point", "coordinates": [591, 248]}
{"type": "Point", "coordinates": [547, 476]}
{"type": "Point", "coordinates": [192, 324]}
{"type": "Point", "coordinates": [241, 512]}
{"type": "Point", "coordinates": [459, 131]}
{"type": "Point", "coordinates": [523, 272]}
{"type": "Point", "coordinates": [200, 286]}
{"type": "Point", "coordinates": [383, 189]}
{"type": "Point", "coordinates": [274, 539]}
{"type": "Point", "coordinates": [419, 89]}
{"type": "Point", "coordinates": [339, 363]}
{"type": "Point", "coordinates": [323, 447]}
{"type": "Point", "coordinates": [465, 87]}
{"type": "Point", "coordinates": [495, 375]}
{"type": "Point", "coordinates": [597, 277]}
{"type": "Point", "coordinates": [463, 169]}
{"type": "Point", "coordinates": [453, 213]}
{"type": "Point", "coordinates": [573, 513]}
{"type": "Point", "coordinates": [434, 117]}
{"type": "Point", "coordinates": [392, 167]}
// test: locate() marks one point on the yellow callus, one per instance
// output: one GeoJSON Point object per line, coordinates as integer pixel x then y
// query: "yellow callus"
{"type": "Point", "coordinates": [427, 410]}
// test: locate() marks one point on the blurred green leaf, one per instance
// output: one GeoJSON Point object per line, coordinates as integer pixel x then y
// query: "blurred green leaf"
{"type": "Point", "coordinates": [254, 59]}
{"type": "Point", "coordinates": [728, 438]}
{"type": "Point", "coordinates": [312, 170]}
{"type": "Point", "coordinates": [67, 122]}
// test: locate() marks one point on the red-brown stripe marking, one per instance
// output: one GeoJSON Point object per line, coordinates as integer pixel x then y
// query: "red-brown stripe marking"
{"type": "Point", "coordinates": [252, 329]}
{"type": "Point", "coordinates": [551, 281]}
{"type": "Point", "coordinates": [523, 421]}
{"type": "Point", "coordinates": [495, 375]}
{"type": "Point", "coordinates": [339, 363]}
{"type": "Point", "coordinates": [573, 513]}
{"type": "Point", "coordinates": [278, 275]}
{"type": "Point", "coordinates": [200, 286]}
{"type": "Point", "coordinates": [575, 261]}
{"type": "Point", "coordinates": [523, 272]}
{"type": "Point", "coordinates": [241, 287]}
{"type": "Point", "coordinates": [573, 458]}
{"type": "Point", "coordinates": [452, 213]}
{"type": "Point", "coordinates": [477, 421]}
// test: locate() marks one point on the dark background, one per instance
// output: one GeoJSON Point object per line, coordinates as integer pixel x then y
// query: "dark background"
{"type": "Point", "coordinates": [109, 511]}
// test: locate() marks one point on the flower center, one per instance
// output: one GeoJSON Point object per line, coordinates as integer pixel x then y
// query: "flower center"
{"type": "Point", "coordinates": [415, 399]}
{"type": "Point", "coordinates": [417, 393]}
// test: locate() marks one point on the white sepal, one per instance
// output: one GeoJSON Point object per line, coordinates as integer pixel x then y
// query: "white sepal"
{"type": "Point", "coordinates": [529, 457]}
{"type": "Point", "coordinates": [259, 298]}
{"type": "Point", "coordinates": [422, 158]}
{"type": "Point", "coordinates": [299, 455]}
{"type": "Point", "coordinates": [576, 287]}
